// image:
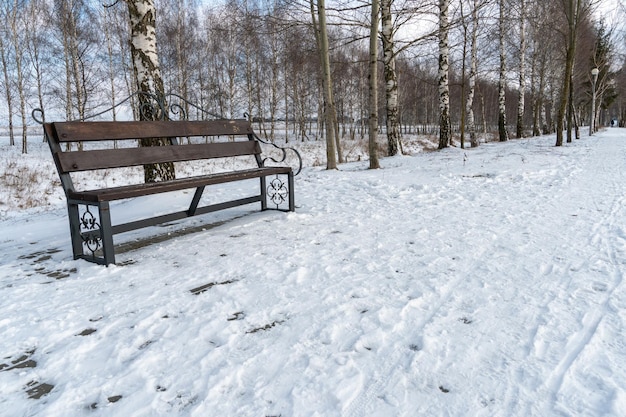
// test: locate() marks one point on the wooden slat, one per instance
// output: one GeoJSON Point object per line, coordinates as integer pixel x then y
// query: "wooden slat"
{"type": "Point", "coordinates": [130, 191]}
{"type": "Point", "coordinates": [94, 131]}
{"type": "Point", "coordinates": [125, 157]}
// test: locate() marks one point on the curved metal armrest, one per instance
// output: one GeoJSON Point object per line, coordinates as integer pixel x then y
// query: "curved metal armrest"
{"type": "Point", "coordinates": [38, 115]}
{"type": "Point", "coordinates": [283, 151]}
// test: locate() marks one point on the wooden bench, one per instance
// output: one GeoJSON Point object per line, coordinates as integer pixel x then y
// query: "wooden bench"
{"type": "Point", "coordinates": [112, 145]}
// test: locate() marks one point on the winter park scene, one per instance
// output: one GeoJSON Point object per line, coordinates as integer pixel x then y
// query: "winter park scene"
{"type": "Point", "coordinates": [300, 209]}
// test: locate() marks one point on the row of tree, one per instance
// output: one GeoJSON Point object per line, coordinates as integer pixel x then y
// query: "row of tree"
{"type": "Point", "coordinates": [453, 68]}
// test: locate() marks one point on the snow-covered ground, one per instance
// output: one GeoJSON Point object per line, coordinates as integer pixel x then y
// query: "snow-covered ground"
{"type": "Point", "coordinates": [477, 282]}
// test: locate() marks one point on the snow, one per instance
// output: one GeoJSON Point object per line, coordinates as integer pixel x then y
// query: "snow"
{"type": "Point", "coordinates": [476, 282]}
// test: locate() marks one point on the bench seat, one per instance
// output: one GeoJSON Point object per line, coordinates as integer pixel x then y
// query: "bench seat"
{"type": "Point", "coordinates": [138, 190]}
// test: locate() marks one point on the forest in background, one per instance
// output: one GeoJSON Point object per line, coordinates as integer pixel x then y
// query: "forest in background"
{"type": "Point", "coordinates": [71, 58]}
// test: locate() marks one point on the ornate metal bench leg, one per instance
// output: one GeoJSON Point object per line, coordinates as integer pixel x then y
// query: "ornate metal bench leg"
{"type": "Point", "coordinates": [292, 200]}
{"type": "Point", "coordinates": [263, 193]}
{"type": "Point", "coordinates": [91, 232]}
{"type": "Point", "coordinates": [106, 233]}
{"type": "Point", "coordinates": [75, 229]}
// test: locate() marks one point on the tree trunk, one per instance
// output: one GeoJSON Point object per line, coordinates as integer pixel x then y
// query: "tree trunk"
{"type": "Point", "coordinates": [111, 65]}
{"type": "Point", "coordinates": [34, 50]}
{"type": "Point", "coordinates": [142, 15]}
{"type": "Point", "coordinates": [572, 19]}
{"type": "Point", "coordinates": [575, 121]}
{"type": "Point", "coordinates": [18, 49]}
{"type": "Point", "coordinates": [463, 77]}
{"type": "Point", "coordinates": [274, 83]}
{"type": "Point", "coordinates": [329, 114]}
{"type": "Point", "coordinates": [469, 105]}
{"type": "Point", "coordinates": [247, 55]}
{"type": "Point", "coordinates": [373, 87]}
{"type": "Point", "coordinates": [7, 90]}
{"type": "Point", "coordinates": [76, 65]}
{"type": "Point", "coordinates": [391, 79]}
{"type": "Point", "coordinates": [182, 18]}
{"type": "Point", "coordinates": [522, 71]}
{"type": "Point", "coordinates": [570, 109]}
{"type": "Point", "coordinates": [502, 130]}
{"type": "Point", "coordinates": [444, 89]}
{"type": "Point", "coordinates": [535, 97]}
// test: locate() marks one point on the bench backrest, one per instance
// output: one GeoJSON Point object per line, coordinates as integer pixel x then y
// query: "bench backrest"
{"type": "Point", "coordinates": [60, 133]}
{"type": "Point", "coordinates": [99, 152]}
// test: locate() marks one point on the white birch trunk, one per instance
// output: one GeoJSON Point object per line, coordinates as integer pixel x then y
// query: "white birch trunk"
{"type": "Point", "coordinates": [391, 79]}
{"type": "Point", "coordinates": [68, 79]}
{"type": "Point", "coordinates": [274, 74]}
{"type": "Point", "coordinates": [182, 17]}
{"type": "Point", "coordinates": [144, 48]}
{"type": "Point", "coordinates": [34, 51]}
{"type": "Point", "coordinates": [17, 42]}
{"type": "Point", "coordinates": [444, 88]}
{"type": "Point", "coordinates": [502, 130]}
{"type": "Point", "coordinates": [522, 70]}
{"type": "Point", "coordinates": [76, 64]}
{"type": "Point", "coordinates": [142, 15]}
{"type": "Point", "coordinates": [373, 90]}
{"type": "Point", "coordinates": [7, 89]}
{"type": "Point", "coordinates": [534, 101]}
{"type": "Point", "coordinates": [110, 62]}
{"type": "Point", "coordinates": [469, 105]}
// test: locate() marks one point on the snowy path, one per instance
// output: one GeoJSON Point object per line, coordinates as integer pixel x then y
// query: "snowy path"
{"type": "Point", "coordinates": [482, 282]}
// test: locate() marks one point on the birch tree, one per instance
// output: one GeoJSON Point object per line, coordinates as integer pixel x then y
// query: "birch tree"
{"type": "Point", "coordinates": [8, 91]}
{"type": "Point", "coordinates": [329, 112]}
{"type": "Point", "coordinates": [469, 104]}
{"type": "Point", "coordinates": [142, 14]}
{"type": "Point", "coordinates": [444, 88]}
{"type": "Point", "coordinates": [178, 23]}
{"type": "Point", "coordinates": [107, 13]}
{"type": "Point", "coordinates": [522, 70]}
{"type": "Point", "coordinates": [542, 44]}
{"type": "Point", "coordinates": [275, 57]}
{"type": "Point", "coordinates": [67, 14]}
{"type": "Point", "coordinates": [391, 79]}
{"type": "Point", "coordinates": [37, 42]}
{"type": "Point", "coordinates": [17, 31]}
{"type": "Point", "coordinates": [373, 87]}
{"type": "Point", "coordinates": [502, 130]}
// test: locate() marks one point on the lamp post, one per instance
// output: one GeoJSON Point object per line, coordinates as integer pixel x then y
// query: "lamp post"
{"type": "Point", "coordinates": [592, 121]}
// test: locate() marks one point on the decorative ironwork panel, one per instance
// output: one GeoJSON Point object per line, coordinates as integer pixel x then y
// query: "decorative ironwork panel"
{"type": "Point", "coordinates": [90, 232]}
{"type": "Point", "coordinates": [277, 191]}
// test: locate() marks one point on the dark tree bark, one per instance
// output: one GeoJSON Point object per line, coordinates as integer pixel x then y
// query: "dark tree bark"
{"type": "Point", "coordinates": [572, 12]}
